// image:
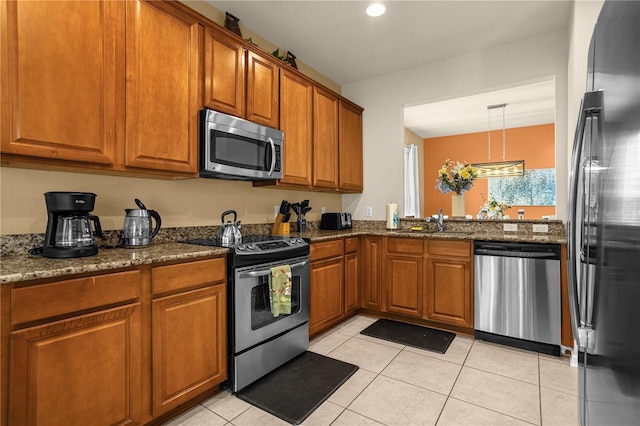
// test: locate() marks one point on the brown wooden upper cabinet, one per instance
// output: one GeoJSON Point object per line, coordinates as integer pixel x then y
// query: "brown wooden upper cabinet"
{"type": "Point", "coordinates": [296, 118]}
{"type": "Point", "coordinates": [116, 89]}
{"type": "Point", "coordinates": [62, 95]}
{"type": "Point", "coordinates": [325, 138]}
{"type": "Point", "coordinates": [163, 71]}
{"type": "Point", "coordinates": [322, 137]}
{"type": "Point", "coordinates": [350, 143]}
{"type": "Point", "coordinates": [240, 82]}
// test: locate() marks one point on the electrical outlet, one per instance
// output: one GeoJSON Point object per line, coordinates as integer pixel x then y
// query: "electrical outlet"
{"type": "Point", "coordinates": [323, 209]}
{"type": "Point", "coordinates": [510, 227]}
{"type": "Point", "coordinates": [540, 228]}
{"type": "Point", "coordinates": [368, 211]}
{"type": "Point", "coordinates": [276, 210]}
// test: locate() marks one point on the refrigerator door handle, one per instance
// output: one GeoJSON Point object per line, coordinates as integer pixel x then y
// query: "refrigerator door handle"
{"type": "Point", "coordinates": [591, 106]}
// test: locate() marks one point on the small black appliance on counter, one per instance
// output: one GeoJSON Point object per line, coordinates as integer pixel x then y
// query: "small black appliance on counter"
{"type": "Point", "coordinates": [335, 221]}
{"type": "Point", "coordinates": [69, 232]}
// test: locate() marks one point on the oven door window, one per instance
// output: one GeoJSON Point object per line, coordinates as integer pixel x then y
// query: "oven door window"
{"type": "Point", "coordinates": [239, 151]}
{"type": "Point", "coordinates": [261, 314]}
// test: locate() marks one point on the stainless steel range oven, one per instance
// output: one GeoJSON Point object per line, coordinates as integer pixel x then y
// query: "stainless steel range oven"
{"type": "Point", "coordinates": [259, 342]}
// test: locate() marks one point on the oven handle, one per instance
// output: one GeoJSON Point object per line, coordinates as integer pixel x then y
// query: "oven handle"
{"type": "Point", "coordinates": [268, 271]}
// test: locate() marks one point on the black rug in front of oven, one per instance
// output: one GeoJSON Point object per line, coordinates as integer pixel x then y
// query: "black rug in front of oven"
{"type": "Point", "coordinates": [410, 335]}
{"type": "Point", "coordinates": [293, 391]}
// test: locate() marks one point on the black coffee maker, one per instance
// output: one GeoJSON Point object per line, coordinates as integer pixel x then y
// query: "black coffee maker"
{"type": "Point", "coordinates": [69, 231]}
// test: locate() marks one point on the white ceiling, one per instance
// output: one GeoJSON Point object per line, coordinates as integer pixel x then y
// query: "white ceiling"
{"type": "Point", "coordinates": [527, 105]}
{"type": "Point", "coordinates": [339, 40]}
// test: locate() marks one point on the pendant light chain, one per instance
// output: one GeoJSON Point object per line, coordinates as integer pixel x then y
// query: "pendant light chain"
{"type": "Point", "coordinates": [489, 144]}
{"type": "Point", "coordinates": [504, 133]}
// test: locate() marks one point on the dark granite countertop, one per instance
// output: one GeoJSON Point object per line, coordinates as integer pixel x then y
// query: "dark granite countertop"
{"type": "Point", "coordinates": [24, 267]}
{"type": "Point", "coordinates": [30, 267]}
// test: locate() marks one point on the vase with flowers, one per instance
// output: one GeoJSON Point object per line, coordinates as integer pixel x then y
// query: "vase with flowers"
{"type": "Point", "coordinates": [456, 177]}
{"type": "Point", "coordinates": [491, 208]}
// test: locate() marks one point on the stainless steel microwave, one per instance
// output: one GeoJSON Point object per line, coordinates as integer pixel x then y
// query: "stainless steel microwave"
{"type": "Point", "coordinates": [234, 148]}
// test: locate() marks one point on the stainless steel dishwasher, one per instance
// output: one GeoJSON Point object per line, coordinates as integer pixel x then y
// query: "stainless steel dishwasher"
{"type": "Point", "coordinates": [517, 294]}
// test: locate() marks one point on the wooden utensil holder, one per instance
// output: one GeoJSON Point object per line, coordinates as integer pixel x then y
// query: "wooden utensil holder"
{"type": "Point", "coordinates": [280, 227]}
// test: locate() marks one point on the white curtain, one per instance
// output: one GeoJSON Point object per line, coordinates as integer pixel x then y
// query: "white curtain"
{"type": "Point", "coordinates": [411, 182]}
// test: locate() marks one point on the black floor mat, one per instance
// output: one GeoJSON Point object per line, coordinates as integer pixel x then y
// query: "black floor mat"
{"type": "Point", "coordinates": [293, 391]}
{"type": "Point", "coordinates": [410, 335]}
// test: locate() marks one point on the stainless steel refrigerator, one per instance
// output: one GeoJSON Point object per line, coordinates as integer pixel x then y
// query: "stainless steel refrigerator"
{"type": "Point", "coordinates": [604, 223]}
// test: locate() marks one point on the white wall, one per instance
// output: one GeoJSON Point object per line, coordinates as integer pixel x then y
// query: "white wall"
{"type": "Point", "coordinates": [583, 19]}
{"type": "Point", "coordinates": [384, 98]}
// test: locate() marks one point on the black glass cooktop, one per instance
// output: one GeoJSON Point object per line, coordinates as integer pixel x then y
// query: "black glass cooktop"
{"type": "Point", "coordinates": [253, 244]}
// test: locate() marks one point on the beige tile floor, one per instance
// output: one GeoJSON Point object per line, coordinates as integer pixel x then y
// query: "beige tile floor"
{"type": "Point", "coordinates": [473, 383]}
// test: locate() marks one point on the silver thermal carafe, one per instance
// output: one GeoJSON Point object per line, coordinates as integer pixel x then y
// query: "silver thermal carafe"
{"type": "Point", "coordinates": [69, 232]}
{"type": "Point", "coordinates": [138, 228]}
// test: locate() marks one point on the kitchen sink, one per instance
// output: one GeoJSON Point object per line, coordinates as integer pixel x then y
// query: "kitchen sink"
{"type": "Point", "coordinates": [443, 234]}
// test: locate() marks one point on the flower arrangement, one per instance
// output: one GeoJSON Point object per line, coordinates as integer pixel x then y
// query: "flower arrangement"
{"type": "Point", "coordinates": [456, 177]}
{"type": "Point", "coordinates": [492, 209]}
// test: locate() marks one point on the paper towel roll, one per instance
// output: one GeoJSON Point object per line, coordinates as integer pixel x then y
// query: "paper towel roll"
{"type": "Point", "coordinates": [392, 216]}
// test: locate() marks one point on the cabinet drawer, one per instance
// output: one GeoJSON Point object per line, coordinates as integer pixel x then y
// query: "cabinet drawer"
{"type": "Point", "coordinates": [405, 245]}
{"type": "Point", "coordinates": [351, 244]}
{"type": "Point", "coordinates": [64, 297]}
{"type": "Point", "coordinates": [327, 249]}
{"type": "Point", "coordinates": [450, 248]}
{"type": "Point", "coordinates": [186, 275]}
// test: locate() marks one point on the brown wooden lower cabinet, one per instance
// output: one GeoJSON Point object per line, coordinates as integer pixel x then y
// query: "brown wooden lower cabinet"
{"type": "Point", "coordinates": [188, 340]}
{"type": "Point", "coordinates": [189, 336]}
{"type": "Point", "coordinates": [79, 371]}
{"type": "Point", "coordinates": [118, 348]}
{"type": "Point", "coordinates": [448, 291]}
{"type": "Point", "coordinates": [449, 282]}
{"type": "Point", "coordinates": [371, 279]}
{"type": "Point", "coordinates": [403, 273]}
{"type": "Point", "coordinates": [351, 275]}
{"type": "Point", "coordinates": [326, 306]}
{"type": "Point", "coordinates": [72, 359]}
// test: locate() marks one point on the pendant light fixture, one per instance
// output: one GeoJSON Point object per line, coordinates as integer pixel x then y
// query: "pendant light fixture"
{"type": "Point", "coordinates": [503, 168]}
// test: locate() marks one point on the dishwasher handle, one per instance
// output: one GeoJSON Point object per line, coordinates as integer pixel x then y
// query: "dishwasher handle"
{"type": "Point", "coordinates": [519, 254]}
{"type": "Point", "coordinates": [517, 249]}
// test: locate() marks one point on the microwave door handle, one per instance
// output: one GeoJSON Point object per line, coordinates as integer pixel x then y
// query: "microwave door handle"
{"type": "Point", "coordinates": [268, 271]}
{"type": "Point", "coordinates": [273, 157]}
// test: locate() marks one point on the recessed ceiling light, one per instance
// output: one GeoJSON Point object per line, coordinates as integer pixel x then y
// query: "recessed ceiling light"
{"type": "Point", "coordinates": [376, 9]}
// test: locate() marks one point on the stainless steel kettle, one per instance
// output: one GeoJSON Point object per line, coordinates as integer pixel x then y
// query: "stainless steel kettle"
{"type": "Point", "coordinates": [229, 233]}
{"type": "Point", "coordinates": [138, 228]}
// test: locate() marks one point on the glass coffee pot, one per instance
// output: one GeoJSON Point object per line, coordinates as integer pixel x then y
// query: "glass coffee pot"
{"type": "Point", "coordinates": [75, 230]}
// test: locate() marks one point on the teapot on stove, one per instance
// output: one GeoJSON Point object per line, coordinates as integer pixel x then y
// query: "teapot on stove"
{"type": "Point", "coordinates": [229, 233]}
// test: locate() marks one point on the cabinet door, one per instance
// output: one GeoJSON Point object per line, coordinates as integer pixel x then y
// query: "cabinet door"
{"type": "Point", "coordinates": [163, 59]}
{"type": "Point", "coordinates": [189, 345]}
{"type": "Point", "coordinates": [263, 78]}
{"type": "Point", "coordinates": [84, 370]}
{"type": "Point", "coordinates": [60, 75]}
{"type": "Point", "coordinates": [404, 282]}
{"type": "Point", "coordinates": [224, 80]}
{"type": "Point", "coordinates": [371, 291]}
{"type": "Point", "coordinates": [351, 278]}
{"type": "Point", "coordinates": [325, 139]}
{"type": "Point", "coordinates": [326, 294]}
{"type": "Point", "coordinates": [449, 291]}
{"type": "Point", "coordinates": [350, 125]}
{"type": "Point", "coordinates": [296, 121]}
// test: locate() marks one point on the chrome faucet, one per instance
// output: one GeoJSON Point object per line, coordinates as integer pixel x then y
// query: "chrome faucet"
{"type": "Point", "coordinates": [439, 221]}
